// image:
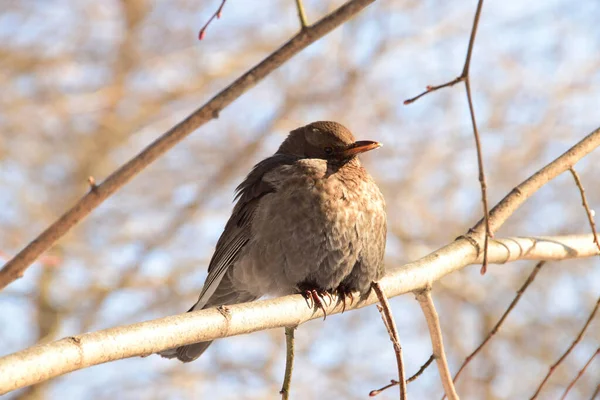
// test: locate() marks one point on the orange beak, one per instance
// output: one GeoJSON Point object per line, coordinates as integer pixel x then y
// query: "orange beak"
{"type": "Point", "coordinates": [360, 147]}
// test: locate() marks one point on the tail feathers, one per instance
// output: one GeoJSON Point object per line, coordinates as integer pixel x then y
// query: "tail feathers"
{"type": "Point", "coordinates": [186, 353]}
{"type": "Point", "coordinates": [224, 295]}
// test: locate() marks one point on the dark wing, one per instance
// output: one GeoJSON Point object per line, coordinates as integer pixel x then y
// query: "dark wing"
{"type": "Point", "coordinates": [238, 230]}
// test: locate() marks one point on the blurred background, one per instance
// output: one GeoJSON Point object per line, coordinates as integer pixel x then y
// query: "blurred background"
{"type": "Point", "coordinates": [86, 85]}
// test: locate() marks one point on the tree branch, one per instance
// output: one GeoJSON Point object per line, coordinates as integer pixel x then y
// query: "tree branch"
{"type": "Point", "coordinates": [433, 324]}
{"type": "Point", "coordinates": [289, 362]}
{"type": "Point", "coordinates": [509, 204]}
{"type": "Point", "coordinates": [394, 382]}
{"type": "Point", "coordinates": [579, 374]}
{"type": "Point", "coordinates": [42, 362]}
{"type": "Point", "coordinates": [217, 14]}
{"type": "Point", "coordinates": [586, 206]}
{"type": "Point", "coordinates": [15, 268]}
{"type": "Point", "coordinates": [301, 14]}
{"type": "Point", "coordinates": [390, 324]}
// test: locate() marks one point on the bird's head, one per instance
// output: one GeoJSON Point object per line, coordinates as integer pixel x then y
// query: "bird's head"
{"type": "Point", "coordinates": [325, 140]}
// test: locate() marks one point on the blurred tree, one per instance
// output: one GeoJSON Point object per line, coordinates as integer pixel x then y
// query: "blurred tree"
{"type": "Point", "coordinates": [86, 85]}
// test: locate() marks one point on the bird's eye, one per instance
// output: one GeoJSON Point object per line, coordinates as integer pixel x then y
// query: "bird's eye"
{"type": "Point", "coordinates": [328, 150]}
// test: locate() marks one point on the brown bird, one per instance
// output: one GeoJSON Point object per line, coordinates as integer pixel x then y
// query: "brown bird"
{"type": "Point", "coordinates": [308, 219]}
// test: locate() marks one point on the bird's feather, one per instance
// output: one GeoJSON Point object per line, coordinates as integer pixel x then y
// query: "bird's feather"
{"type": "Point", "coordinates": [238, 230]}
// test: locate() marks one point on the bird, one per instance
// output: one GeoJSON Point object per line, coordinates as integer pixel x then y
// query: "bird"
{"type": "Point", "coordinates": [308, 219]}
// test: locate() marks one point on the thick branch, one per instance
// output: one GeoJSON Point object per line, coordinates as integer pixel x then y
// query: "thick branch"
{"type": "Point", "coordinates": [15, 267]}
{"type": "Point", "coordinates": [39, 363]}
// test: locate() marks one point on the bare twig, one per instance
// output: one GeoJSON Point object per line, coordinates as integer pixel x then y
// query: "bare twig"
{"type": "Point", "coordinates": [390, 324]}
{"type": "Point", "coordinates": [580, 373]}
{"type": "Point", "coordinates": [482, 182]}
{"type": "Point", "coordinates": [435, 332]}
{"type": "Point", "coordinates": [585, 204]}
{"type": "Point", "coordinates": [566, 353]}
{"type": "Point", "coordinates": [217, 15]}
{"type": "Point", "coordinates": [590, 216]}
{"type": "Point", "coordinates": [394, 382]}
{"type": "Point", "coordinates": [301, 14]}
{"type": "Point", "coordinates": [15, 268]}
{"type": "Point", "coordinates": [496, 328]}
{"type": "Point", "coordinates": [289, 362]}
{"type": "Point", "coordinates": [596, 394]}
{"type": "Point", "coordinates": [432, 88]}
{"type": "Point", "coordinates": [92, 183]}
{"type": "Point", "coordinates": [466, 66]}
{"type": "Point", "coordinates": [464, 77]}
{"type": "Point", "coordinates": [422, 369]}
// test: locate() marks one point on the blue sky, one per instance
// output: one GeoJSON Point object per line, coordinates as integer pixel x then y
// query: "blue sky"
{"type": "Point", "coordinates": [535, 81]}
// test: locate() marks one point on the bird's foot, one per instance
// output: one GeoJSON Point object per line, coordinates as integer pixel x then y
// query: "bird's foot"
{"type": "Point", "coordinates": [344, 293]}
{"type": "Point", "coordinates": [315, 298]}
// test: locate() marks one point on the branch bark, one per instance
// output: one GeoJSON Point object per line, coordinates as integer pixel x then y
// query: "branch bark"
{"type": "Point", "coordinates": [15, 268]}
{"type": "Point", "coordinates": [42, 362]}
{"type": "Point", "coordinates": [289, 362]}
{"type": "Point", "coordinates": [437, 343]}
{"type": "Point", "coordinates": [388, 320]}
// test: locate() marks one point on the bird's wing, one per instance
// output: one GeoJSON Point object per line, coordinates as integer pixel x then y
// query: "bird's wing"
{"type": "Point", "coordinates": [238, 229]}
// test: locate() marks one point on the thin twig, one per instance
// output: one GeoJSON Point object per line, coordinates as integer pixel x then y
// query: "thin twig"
{"type": "Point", "coordinates": [15, 268]}
{"type": "Point", "coordinates": [566, 353]}
{"type": "Point", "coordinates": [496, 328]}
{"type": "Point", "coordinates": [422, 369]}
{"type": "Point", "coordinates": [432, 88]}
{"type": "Point", "coordinates": [464, 77]}
{"type": "Point", "coordinates": [217, 15]}
{"type": "Point", "coordinates": [588, 211]}
{"type": "Point", "coordinates": [390, 324]}
{"type": "Point", "coordinates": [92, 183]}
{"type": "Point", "coordinates": [579, 374]}
{"type": "Point", "coordinates": [482, 184]}
{"type": "Point", "coordinates": [466, 66]}
{"type": "Point", "coordinates": [301, 14]}
{"type": "Point", "coordinates": [435, 332]}
{"type": "Point", "coordinates": [289, 362]}
{"type": "Point", "coordinates": [394, 382]}
{"type": "Point", "coordinates": [596, 394]}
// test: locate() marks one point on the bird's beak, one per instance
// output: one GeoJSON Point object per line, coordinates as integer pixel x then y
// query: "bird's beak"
{"type": "Point", "coordinates": [360, 147]}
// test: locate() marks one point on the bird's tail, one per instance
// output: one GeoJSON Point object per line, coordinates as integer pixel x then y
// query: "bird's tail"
{"type": "Point", "coordinates": [225, 294]}
{"type": "Point", "coordinates": [188, 352]}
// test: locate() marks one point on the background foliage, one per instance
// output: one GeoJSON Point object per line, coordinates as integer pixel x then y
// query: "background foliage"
{"type": "Point", "coordinates": [85, 85]}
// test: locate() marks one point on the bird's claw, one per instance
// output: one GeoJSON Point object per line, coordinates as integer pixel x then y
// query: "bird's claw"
{"type": "Point", "coordinates": [342, 294]}
{"type": "Point", "coordinates": [315, 298]}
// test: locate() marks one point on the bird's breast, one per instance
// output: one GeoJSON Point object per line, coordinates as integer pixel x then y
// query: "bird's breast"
{"type": "Point", "coordinates": [310, 225]}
